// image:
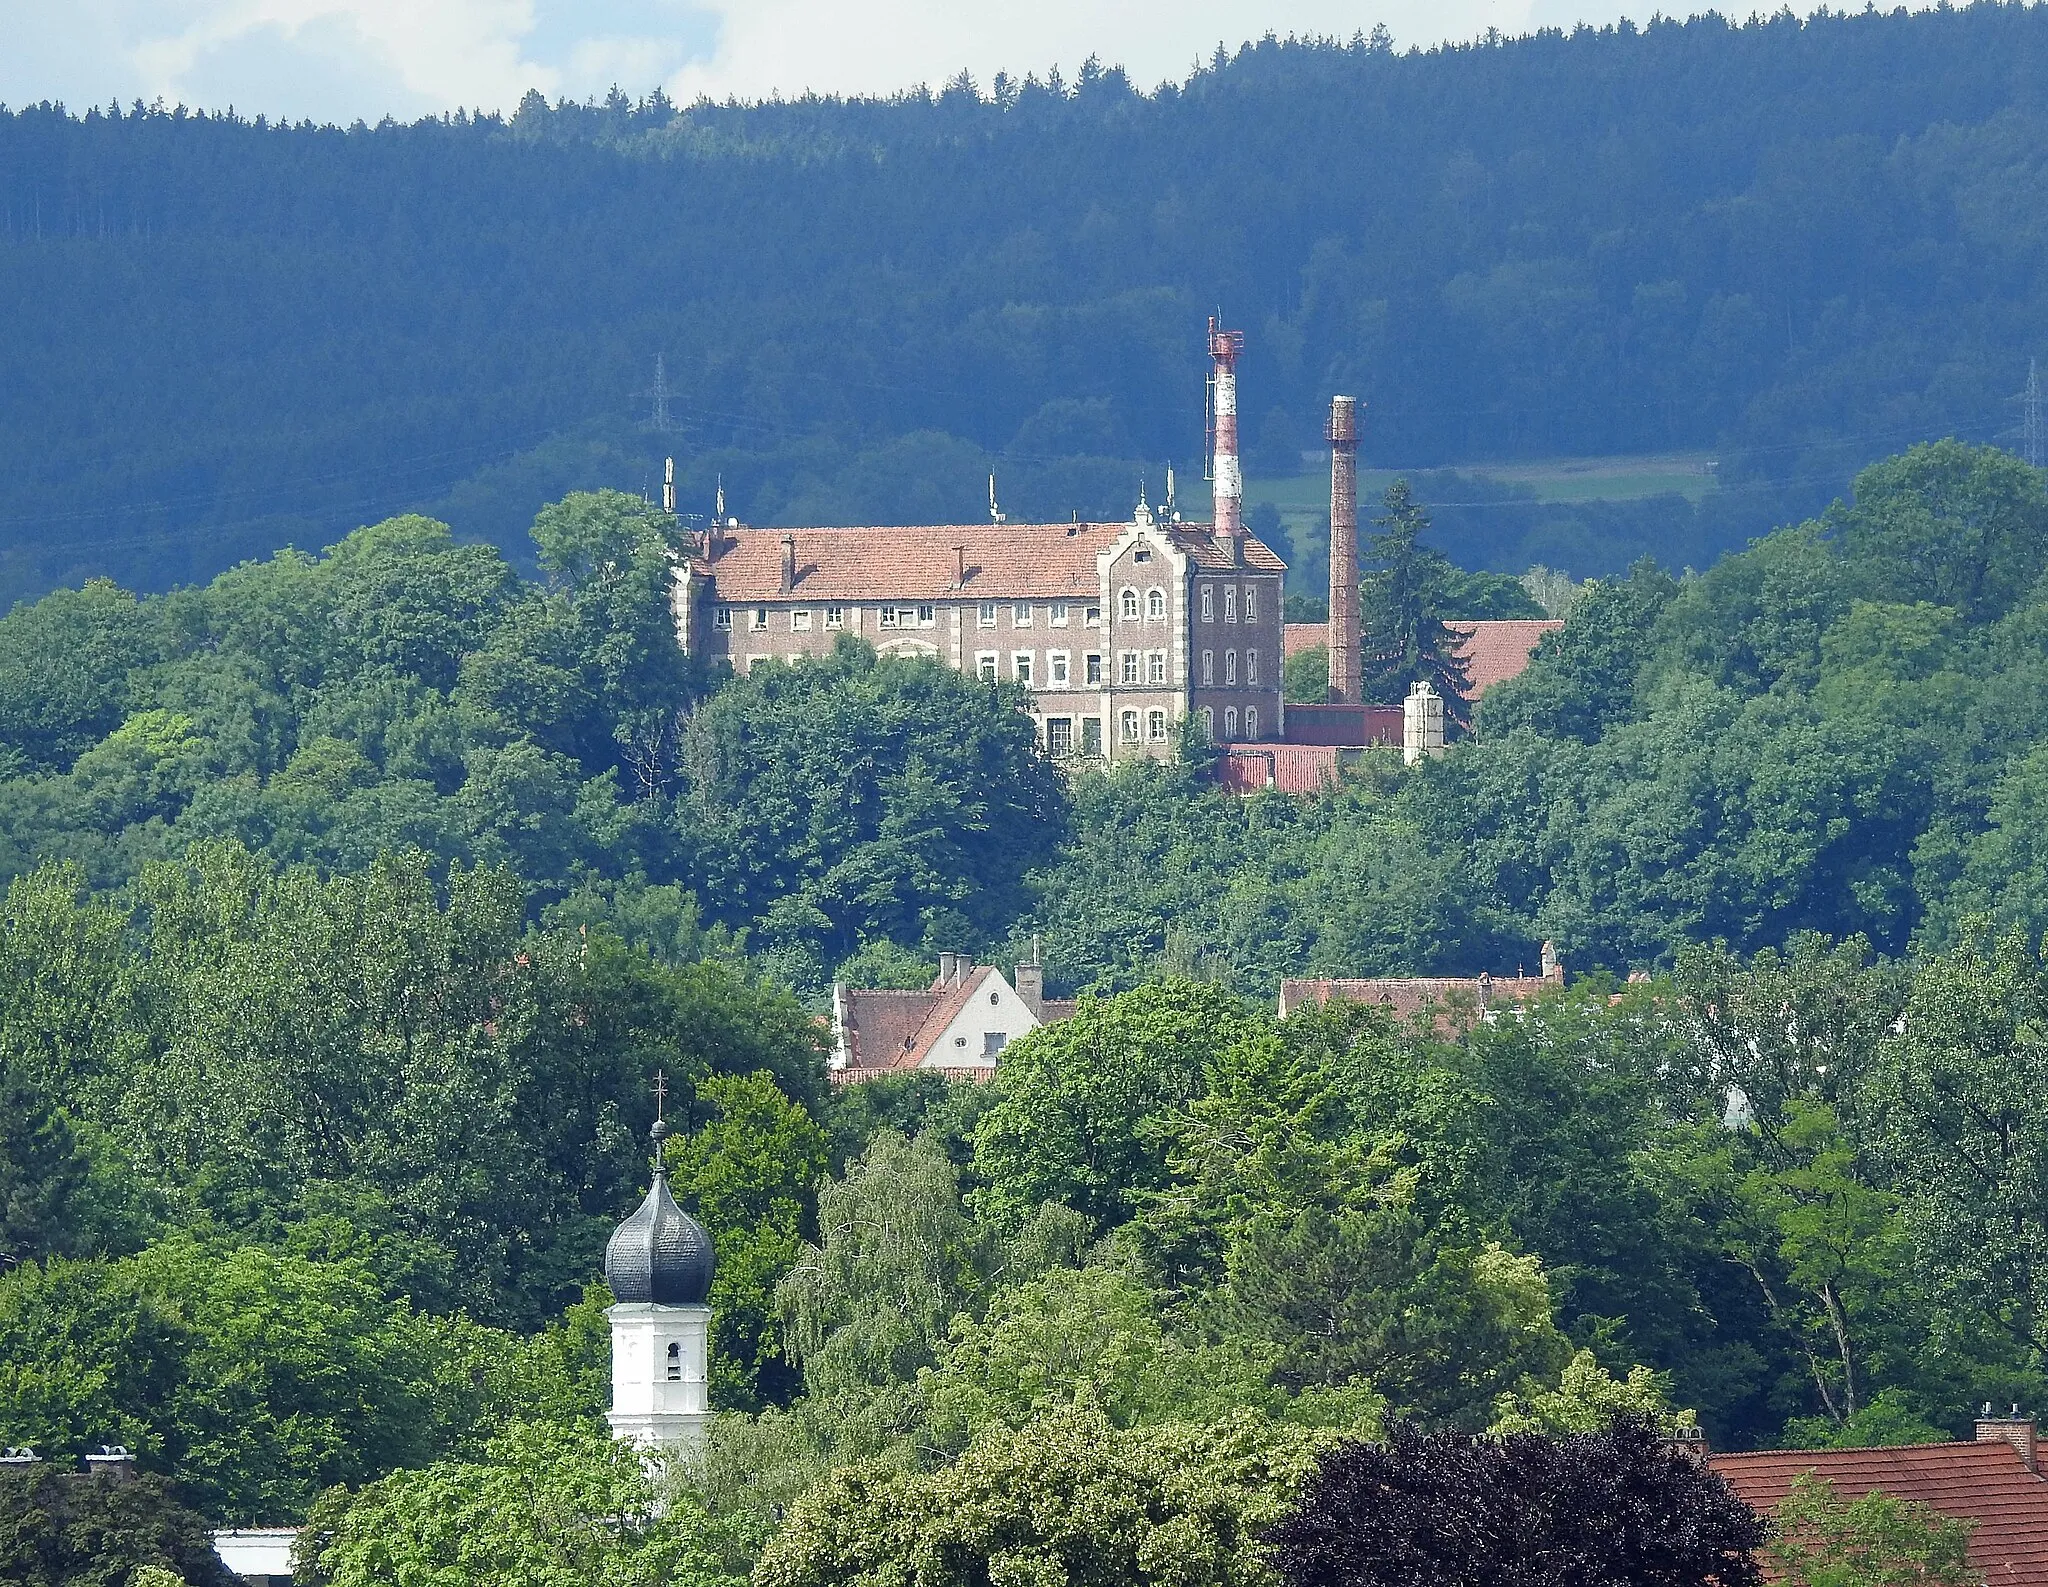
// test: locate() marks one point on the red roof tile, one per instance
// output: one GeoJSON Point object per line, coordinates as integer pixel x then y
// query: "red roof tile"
{"type": "Point", "coordinates": [1007, 562]}
{"type": "Point", "coordinates": [1297, 637]}
{"type": "Point", "coordinates": [1986, 1482]}
{"type": "Point", "coordinates": [1407, 996]}
{"type": "Point", "coordinates": [1497, 649]}
{"type": "Point", "coordinates": [881, 1026]}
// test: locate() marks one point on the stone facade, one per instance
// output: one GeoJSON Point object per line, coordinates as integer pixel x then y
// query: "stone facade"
{"type": "Point", "coordinates": [1119, 631]}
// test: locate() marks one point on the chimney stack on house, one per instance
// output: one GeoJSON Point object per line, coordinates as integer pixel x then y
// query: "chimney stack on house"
{"type": "Point", "coordinates": [1345, 680]}
{"type": "Point", "coordinates": [2013, 1429]}
{"type": "Point", "coordinates": [1228, 527]}
{"type": "Point", "coordinates": [788, 563]}
{"type": "Point", "coordinates": [1031, 983]}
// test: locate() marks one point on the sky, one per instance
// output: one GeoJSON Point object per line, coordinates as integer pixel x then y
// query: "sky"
{"type": "Point", "coordinates": [340, 60]}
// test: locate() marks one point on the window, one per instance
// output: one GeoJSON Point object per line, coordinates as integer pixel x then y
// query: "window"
{"type": "Point", "coordinates": [993, 1042]}
{"type": "Point", "coordinates": [760, 622]}
{"type": "Point", "coordinates": [721, 617]}
{"type": "Point", "coordinates": [1127, 604]}
{"type": "Point", "coordinates": [1094, 672]}
{"type": "Point", "coordinates": [1058, 617]}
{"type": "Point", "coordinates": [1020, 666]}
{"type": "Point", "coordinates": [985, 665]}
{"type": "Point", "coordinates": [1208, 603]}
{"type": "Point", "coordinates": [1155, 727]}
{"type": "Point", "coordinates": [1128, 723]}
{"type": "Point", "coordinates": [1209, 723]}
{"type": "Point", "coordinates": [1230, 721]}
{"type": "Point", "coordinates": [1020, 615]}
{"type": "Point", "coordinates": [1155, 667]}
{"type": "Point", "coordinates": [1155, 605]}
{"type": "Point", "coordinates": [1141, 555]}
{"type": "Point", "coordinates": [1208, 668]}
{"type": "Point", "coordinates": [926, 616]}
{"type": "Point", "coordinates": [1127, 666]}
{"type": "Point", "coordinates": [1251, 603]}
{"type": "Point", "coordinates": [1056, 668]}
{"type": "Point", "coordinates": [835, 617]}
{"type": "Point", "coordinates": [1229, 669]}
{"type": "Point", "coordinates": [887, 618]}
{"type": "Point", "coordinates": [1230, 603]}
{"type": "Point", "coordinates": [800, 620]}
{"type": "Point", "coordinates": [1059, 735]}
{"type": "Point", "coordinates": [986, 616]}
{"type": "Point", "coordinates": [1092, 617]}
{"type": "Point", "coordinates": [1251, 666]}
{"type": "Point", "coordinates": [675, 1363]}
{"type": "Point", "coordinates": [1251, 721]}
{"type": "Point", "coordinates": [1091, 735]}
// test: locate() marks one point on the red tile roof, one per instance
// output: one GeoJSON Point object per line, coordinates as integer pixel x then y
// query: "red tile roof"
{"type": "Point", "coordinates": [1008, 562]}
{"type": "Point", "coordinates": [1297, 637]}
{"type": "Point", "coordinates": [1499, 648]}
{"type": "Point", "coordinates": [1407, 996]}
{"type": "Point", "coordinates": [1986, 1482]}
{"type": "Point", "coordinates": [881, 1026]}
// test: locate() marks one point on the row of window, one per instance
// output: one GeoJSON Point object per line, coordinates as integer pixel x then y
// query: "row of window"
{"type": "Point", "coordinates": [1229, 591]}
{"type": "Point", "coordinates": [1059, 670]}
{"type": "Point", "coordinates": [1140, 727]}
{"type": "Point", "coordinates": [1057, 614]}
{"type": "Point", "coordinates": [1230, 721]}
{"type": "Point", "coordinates": [1251, 668]}
{"type": "Point", "coordinates": [1133, 668]}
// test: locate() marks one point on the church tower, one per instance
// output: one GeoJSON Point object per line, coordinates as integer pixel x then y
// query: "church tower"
{"type": "Point", "coordinates": [659, 1267]}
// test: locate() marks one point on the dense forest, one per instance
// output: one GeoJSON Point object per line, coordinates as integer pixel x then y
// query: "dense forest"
{"type": "Point", "coordinates": [356, 898]}
{"type": "Point", "coordinates": [1796, 244]}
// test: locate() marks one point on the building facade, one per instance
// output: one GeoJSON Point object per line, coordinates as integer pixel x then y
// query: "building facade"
{"type": "Point", "coordinates": [1120, 631]}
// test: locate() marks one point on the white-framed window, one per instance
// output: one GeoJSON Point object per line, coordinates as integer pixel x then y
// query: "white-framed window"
{"type": "Point", "coordinates": [1057, 672]}
{"type": "Point", "coordinates": [1208, 668]}
{"type": "Point", "coordinates": [1155, 726]}
{"type": "Point", "coordinates": [1230, 603]}
{"type": "Point", "coordinates": [800, 620]}
{"type": "Point", "coordinates": [1230, 721]}
{"type": "Point", "coordinates": [675, 1362]}
{"type": "Point", "coordinates": [1091, 617]}
{"type": "Point", "coordinates": [985, 615]}
{"type": "Point", "coordinates": [1127, 666]}
{"type": "Point", "coordinates": [1208, 603]}
{"type": "Point", "coordinates": [985, 665]}
{"type": "Point", "coordinates": [1059, 735]}
{"type": "Point", "coordinates": [1093, 669]}
{"type": "Point", "coordinates": [1155, 606]}
{"type": "Point", "coordinates": [1251, 721]}
{"type": "Point", "coordinates": [1127, 727]}
{"type": "Point", "coordinates": [886, 617]}
{"type": "Point", "coordinates": [760, 622]}
{"type": "Point", "coordinates": [1251, 666]}
{"type": "Point", "coordinates": [1020, 666]}
{"type": "Point", "coordinates": [1209, 723]}
{"type": "Point", "coordinates": [835, 617]}
{"type": "Point", "coordinates": [1057, 615]}
{"type": "Point", "coordinates": [1020, 615]}
{"type": "Point", "coordinates": [1251, 603]}
{"type": "Point", "coordinates": [1127, 604]}
{"type": "Point", "coordinates": [721, 617]}
{"type": "Point", "coordinates": [1229, 669]}
{"type": "Point", "coordinates": [1155, 666]}
{"type": "Point", "coordinates": [926, 616]}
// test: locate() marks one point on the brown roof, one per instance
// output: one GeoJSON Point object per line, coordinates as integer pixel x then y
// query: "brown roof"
{"type": "Point", "coordinates": [1986, 1482]}
{"type": "Point", "coordinates": [1499, 648]}
{"type": "Point", "coordinates": [1297, 637]}
{"type": "Point", "coordinates": [1407, 996]}
{"type": "Point", "coordinates": [882, 1026]}
{"type": "Point", "coordinates": [922, 562]}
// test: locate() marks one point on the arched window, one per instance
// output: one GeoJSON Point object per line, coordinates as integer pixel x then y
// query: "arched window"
{"type": "Point", "coordinates": [1128, 722]}
{"type": "Point", "coordinates": [1251, 666]}
{"type": "Point", "coordinates": [1251, 721]}
{"type": "Point", "coordinates": [1230, 668]}
{"type": "Point", "coordinates": [675, 1363]}
{"type": "Point", "coordinates": [1155, 605]}
{"type": "Point", "coordinates": [1127, 603]}
{"type": "Point", "coordinates": [1230, 721]}
{"type": "Point", "coordinates": [1209, 723]}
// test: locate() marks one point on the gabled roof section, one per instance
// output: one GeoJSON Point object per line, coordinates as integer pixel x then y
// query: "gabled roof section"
{"type": "Point", "coordinates": [1003, 562]}
{"type": "Point", "coordinates": [1986, 1482]}
{"type": "Point", "coordinates": [879, 1026]}
{"type": "Point", "coordinates": [1407, 996]}
{"type": "Point", "coordinates": [1499, 648]}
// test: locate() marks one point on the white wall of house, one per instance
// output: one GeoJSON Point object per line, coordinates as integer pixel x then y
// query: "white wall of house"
{"type": "Point", "coordinates": [994, 1011]}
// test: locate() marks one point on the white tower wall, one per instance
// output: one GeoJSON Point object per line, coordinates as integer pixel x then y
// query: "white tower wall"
{"type": "Point", "coordinates": [660, 1400]}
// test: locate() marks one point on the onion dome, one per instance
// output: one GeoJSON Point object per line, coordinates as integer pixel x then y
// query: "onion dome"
{"type": "Point", "coordinates": [661, 1254]}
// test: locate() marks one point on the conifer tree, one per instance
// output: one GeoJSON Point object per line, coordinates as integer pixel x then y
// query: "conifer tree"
{"type": "Point", "coordinates": [1406, 639]}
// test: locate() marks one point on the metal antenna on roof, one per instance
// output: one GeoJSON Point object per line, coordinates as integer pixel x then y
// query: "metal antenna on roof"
{"type": "Point", "coordinates": [1169, 487]}
{"type": "Point", "coordinates": [721, 498]}
{"type": "Point", "coordinates": [995, 513]}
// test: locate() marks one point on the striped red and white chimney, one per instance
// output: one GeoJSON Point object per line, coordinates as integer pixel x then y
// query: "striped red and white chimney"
{"type": "Point", "coordinates": [1228, 528]}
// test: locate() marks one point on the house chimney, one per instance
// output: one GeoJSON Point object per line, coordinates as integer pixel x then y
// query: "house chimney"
{"type": "Point", "coordinates": [112, 1462]}
{"type": "Point", "coordinates": [1228, 528]}
{"type": "Point", "coordinates": [2013, 1429]}
{"type": "Point", "coordinates": [1553, 966]}
{"type": "Point", "coordinates": [1031, 983]}
{"type": "Point", "coordinates": [963, 967]}
{"type": "Point", "coordinates": [960, 567]}
{"type": "Point", "coordinates": [788, 563]}
{"type": "Point", "coordinates": [1343, 641]}
{"type": "Point", "coordinates": [946, 969]}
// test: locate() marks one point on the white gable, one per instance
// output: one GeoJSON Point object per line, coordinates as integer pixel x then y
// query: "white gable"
{"type": "Point", "coordinates": [994, 1010]}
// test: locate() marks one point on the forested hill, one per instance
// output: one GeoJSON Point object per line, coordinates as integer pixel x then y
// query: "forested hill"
{"type": "Point", "coordinates": [1801, 245]}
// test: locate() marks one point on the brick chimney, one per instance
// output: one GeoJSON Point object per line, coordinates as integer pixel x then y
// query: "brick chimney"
{"type": "Point", "coordinates": [1031, 983]}
{"type": "Point", "coordinates": [788, 563]}
{"type": "Point", "coordinates": [1342, 432]}
{"type": "Point", "coordinates": [2013, 1429]}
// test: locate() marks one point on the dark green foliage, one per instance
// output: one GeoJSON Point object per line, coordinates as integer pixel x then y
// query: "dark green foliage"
{"type": "Point", "coordinates": [58, 1529]}
{"type": "Point", "coordinates": [1403, 606]}
{"type": "Point", "coordinates": [1616, 1509]}
{"type": "Point", "coordinates": [1582, 679]}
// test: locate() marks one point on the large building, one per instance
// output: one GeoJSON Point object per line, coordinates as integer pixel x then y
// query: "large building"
{"type": "Point", "coordinates": [1120, 631]}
